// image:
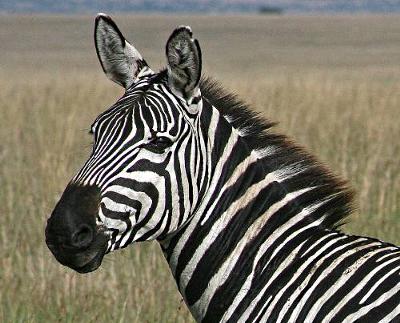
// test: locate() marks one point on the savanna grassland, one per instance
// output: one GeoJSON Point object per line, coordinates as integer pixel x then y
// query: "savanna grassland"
{"type": "Point", "coordinates": [333, 83]}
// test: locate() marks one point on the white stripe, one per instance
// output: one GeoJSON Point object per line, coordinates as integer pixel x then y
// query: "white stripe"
{"type": "Point", "coordinates": [310, 274]}
{"type": "Point", "coordinates": [380, 280]}
{"type": "Point", "coordinates": [223, 273]}
{"type": "Point", "coordinates": [300, 271]}
{"type": "Point", "coordinates": [277, 272]}
{"type": "Point", "coordinates": [395, 251]}
{"type": "Point", "coordinates": [246, 286]}
{"type": "Point", "coordinates": [198, 214]}
{"type": "Point", "coordinates": [343, 279]}
{"type": "Point", "coordinates": [364, 310]}
{"type": "Point", "coordinates": [262, 309]}
{"type": "Point", "coordinates": [389, 318]}
{"type": "Point", "coordinates": [317, 305]}
{"type": "Point", "coordinates": [239, 170]}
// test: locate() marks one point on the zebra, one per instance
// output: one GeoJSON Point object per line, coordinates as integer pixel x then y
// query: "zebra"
{"type": "Point", "coordinates": [247, 220]}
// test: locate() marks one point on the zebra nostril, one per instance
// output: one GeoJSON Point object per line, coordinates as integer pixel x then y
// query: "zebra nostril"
{"type": "Point", "coordinates": [82, 237]}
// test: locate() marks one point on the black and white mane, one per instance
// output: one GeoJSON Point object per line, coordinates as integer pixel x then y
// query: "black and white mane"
{"type": "Point", "coordinates": [280, 151]}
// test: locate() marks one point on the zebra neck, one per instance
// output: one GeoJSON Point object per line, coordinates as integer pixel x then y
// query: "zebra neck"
{"type": "Point", "coordinates": [262, 202]}
{"type": "Point", "coordinates": [236, 208]}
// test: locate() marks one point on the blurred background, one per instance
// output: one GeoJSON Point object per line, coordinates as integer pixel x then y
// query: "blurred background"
{"type": "Point", "coordinates": [327, 71]}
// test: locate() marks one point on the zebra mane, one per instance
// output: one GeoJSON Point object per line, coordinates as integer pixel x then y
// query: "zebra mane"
{"type": "Point", "coordinates": [278, 151]}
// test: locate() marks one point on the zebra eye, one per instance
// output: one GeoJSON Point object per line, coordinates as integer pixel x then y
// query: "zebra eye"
{"type": "Point", "coordinates": [159, 144]}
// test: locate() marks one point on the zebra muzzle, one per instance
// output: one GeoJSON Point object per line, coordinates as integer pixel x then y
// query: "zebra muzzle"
{"type": "Point", "coordinates": [72, 234]}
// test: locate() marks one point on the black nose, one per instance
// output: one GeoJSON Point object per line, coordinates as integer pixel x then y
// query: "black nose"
{"type": "Point", "coordinates": [72, 224]}
{"type": "Point", "coordinates": [82, 237]}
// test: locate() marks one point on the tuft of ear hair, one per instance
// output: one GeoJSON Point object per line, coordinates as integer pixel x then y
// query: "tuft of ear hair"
{"type": "Point", "coordinates": [121, 62]}
{"type": "Point", "coordinates": [184, 62]}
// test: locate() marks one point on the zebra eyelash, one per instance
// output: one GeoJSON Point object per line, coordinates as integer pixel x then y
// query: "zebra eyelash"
{"type": "Point", "coordinates": [159, 143]}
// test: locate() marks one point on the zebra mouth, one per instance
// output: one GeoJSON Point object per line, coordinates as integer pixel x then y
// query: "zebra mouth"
{"type": "Point", "coordinates": [95, 257]}
{"type": "Point", "coordinates": [92, 265]}
{"type": "Point", "coordinates": [82, 261]}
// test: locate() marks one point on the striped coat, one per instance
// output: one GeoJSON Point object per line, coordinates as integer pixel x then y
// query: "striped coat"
{"type": "Point", "coordinates": [247, 220]}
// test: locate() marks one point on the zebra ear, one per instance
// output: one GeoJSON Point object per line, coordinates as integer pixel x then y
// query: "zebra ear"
{"type": "Point", "coordinates": [184, 62]}
{"type": "Point", "coordinates": [121, 62]}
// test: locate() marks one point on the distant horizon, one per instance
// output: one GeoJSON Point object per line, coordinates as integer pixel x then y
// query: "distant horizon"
{"type": "Point", "coordinates": [201, 7]}
{"type": "Point", "coordinates": [190, 13]}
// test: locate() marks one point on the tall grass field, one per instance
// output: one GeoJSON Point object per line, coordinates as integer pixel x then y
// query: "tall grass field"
{"type": "Point", "coordinates": [332, 83]}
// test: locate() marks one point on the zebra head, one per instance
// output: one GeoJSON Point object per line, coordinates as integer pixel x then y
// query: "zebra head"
{"type": "Point", "coordinates": [143, 177]}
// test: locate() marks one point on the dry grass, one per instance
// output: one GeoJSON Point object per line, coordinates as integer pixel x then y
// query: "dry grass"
{"type": "Point", "coordinates": [44, 141]}
{"type": "Point", "coordinates": [333, 83]}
